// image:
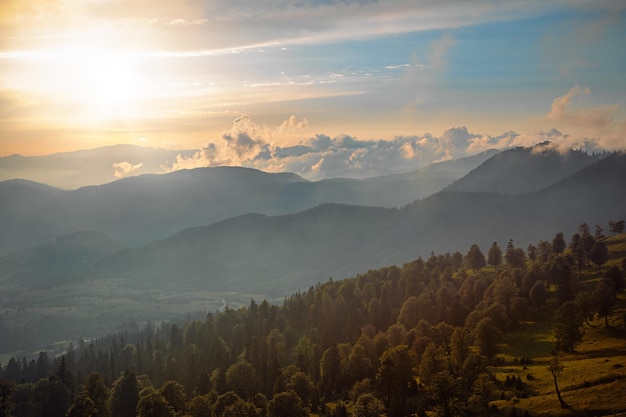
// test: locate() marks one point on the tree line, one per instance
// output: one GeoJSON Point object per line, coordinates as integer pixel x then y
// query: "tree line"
{"type": "Point", "coordinates": [395, 341]}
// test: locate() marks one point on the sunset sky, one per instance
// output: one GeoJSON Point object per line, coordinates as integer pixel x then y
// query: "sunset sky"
{"type": "Point", "coordinates": [244, 81]}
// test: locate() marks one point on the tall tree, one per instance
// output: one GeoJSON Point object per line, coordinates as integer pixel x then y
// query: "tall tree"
{"type": "Point", "coordinates": [604, 301]}
{"type": "Point", "coordinates": [241, 377]}
{"type": "Point", "coordinates": [475, 258]}
{"type": "Point", "coordinates": [599, 254]}
{"type": "Point", "coordinates": [494, 257]}
{"type": "Point", "coordinates": [614, 278]}
{"type": "Point", "coordinates": [367, 405]}
{"type": "Point", "coordinates": [287, 404]}
{"type": "Point", "coordinates": [578, 250]}
{"type": "Point", "coordinates": [394, 377]}
{"type": "Point", "coordinates": [545, 249]}
{"type": "Point", "coordinates": [444, 392]}
{"type": "Point", "coordinates": [538, 294]}
{"type": "Point", "coordinates": [6, 401]}
{"type": "Point", "coordinates": [514, 256]}
{"type": "Point", "coordinates": [568, 322]}
{"type": "Point", "coordinates": [124, 396]}
{"type": "Point", "coordinates": [330, 370]}
{"type": "Point", "coordinates": [617, 227]}
{"type": "Point", "coordinates": [174, 394]}
{"type": "Point", "coordinates": [82, 406]}
{"type": "Point", "coordinates": [301, 384]}
{"type": "Point", "coordinates": [486, 336]}
{"type": "Point", "coordinates": [96, 390]}
{"type": "Point", "coordinates": [531, 250]}
{"type": "Point", "coordinates": [558, 243]}
{"type": "Point", "coordinates": [154, 405]}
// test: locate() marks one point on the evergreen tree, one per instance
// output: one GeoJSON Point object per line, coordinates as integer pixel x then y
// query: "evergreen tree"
{"type": "Point", "coordinates": [174, 393]}
{"type": "Point", "coordinates": [568, 322]}
{"type": "Point", "coordinates": [287, 404]}
{"type": "Point", "coordinates": [494, 257]}
{"type": "Point", "coordinates": [614, 278]}
{"type": "Point", "coordinates": [367, 405]}
{"type": "Point", "coordinates": [82, 406]}
{"type": "Point", "coordinates": [486, 336]}
{"type": "Point", "coordinates": [124, 396]}
{"type": "Point", "coordinates": [6, 401]}
{"type": "Point", "coordinates": [558, 243]}
{"type": "Point", "coordinates": [514, 256]}
{"type": "Point", "coordinates": [617, 227]}
{"type": "Point", "coordinates": [475, 258]}
{"type": "Point", "coordinates": [604, 301]}
{"type": "Point", "coordinates": [154, 405]}
{"type": "Point", "coordinates": [599, 254]}
{"type": "Point", "coordinates": [95, 389]}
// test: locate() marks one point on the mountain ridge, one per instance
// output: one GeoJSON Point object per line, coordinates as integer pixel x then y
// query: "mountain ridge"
{"type": "Point", "coordinates": [344, 240]}
{"type": "Point", "coordinates": [139, 209]}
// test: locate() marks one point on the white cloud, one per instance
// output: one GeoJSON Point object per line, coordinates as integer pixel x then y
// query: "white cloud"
{"type": "Point", "coordinates": [565, 111]}
{"type": "Point", "coordinates": [321, 156]}
{"type": "Point", "coordinates": [600, 124]}
{"type": "Point", "coordinates": [125, 168]}
{"type": "Point", "coordinates": [202, 24]}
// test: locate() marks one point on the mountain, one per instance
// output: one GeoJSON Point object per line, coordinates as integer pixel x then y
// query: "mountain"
{"type": "Point", "coordinates": [284, 253]}
{"type": "Point", "coordinates": [521, 170]}
{"type": "Point", "coordinates": [137, 210]}
{"type": "Point", "coordinates": [71, 170]}
{"type": "Point", "coordinates": [57, 261]}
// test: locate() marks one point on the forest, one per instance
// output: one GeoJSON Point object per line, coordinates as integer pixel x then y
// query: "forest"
{"type": "Point", "coordinates": [424, 338]}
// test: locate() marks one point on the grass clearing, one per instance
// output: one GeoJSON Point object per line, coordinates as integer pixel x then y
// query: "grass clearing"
{"type": "Point", "coordinates": [593, 380]}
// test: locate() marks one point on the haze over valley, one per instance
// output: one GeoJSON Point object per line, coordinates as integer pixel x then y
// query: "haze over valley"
{"type": "Point", "coordinates": [152, 247]}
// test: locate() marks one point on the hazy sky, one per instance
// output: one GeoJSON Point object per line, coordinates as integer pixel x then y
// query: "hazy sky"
{"type": "Point", "coordinates": [245, 82]}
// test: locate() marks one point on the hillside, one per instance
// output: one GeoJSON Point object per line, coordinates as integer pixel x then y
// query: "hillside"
{"type": "Point", "coordinates": [140, 209]}
{"type": "Point", "coordinates": [56, 262]}
{"type": "Point", "coordinates": [433, 334]}
{"type": "Point", "coordinates": [523, 170]}
{"type": "Point", "coordinates": [281, 254]}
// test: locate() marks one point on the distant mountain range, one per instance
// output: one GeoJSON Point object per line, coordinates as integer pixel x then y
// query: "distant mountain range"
{"type": "Point", "coordinates": [281, 254]}
{"type": "Point", "coordinates": [277, 254]}
{"type": "Point", "coordinates": [137, 210]}
{"type": "Point", "coordinates": [71, 170]}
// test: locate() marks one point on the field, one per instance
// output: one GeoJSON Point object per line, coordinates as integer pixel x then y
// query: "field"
{"type": "Point", "coordinates": [593, 380]}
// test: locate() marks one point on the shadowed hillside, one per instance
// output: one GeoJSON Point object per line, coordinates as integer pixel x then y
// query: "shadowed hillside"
{"type": "Point", "coordinates": [140, 209]}
{"type": "Point", "coordinates": [522, 170]}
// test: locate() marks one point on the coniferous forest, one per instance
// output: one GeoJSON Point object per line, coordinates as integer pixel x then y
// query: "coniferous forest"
{"type": "Point", "coordinates": [421, 339]}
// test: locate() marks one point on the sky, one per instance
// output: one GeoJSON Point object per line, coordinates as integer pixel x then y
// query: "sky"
{"type": "Point", "coordinates": [314, 87]}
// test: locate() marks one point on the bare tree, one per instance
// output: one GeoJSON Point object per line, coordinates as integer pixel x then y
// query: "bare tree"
{"type": "Point", "coordinates": [556, 368]}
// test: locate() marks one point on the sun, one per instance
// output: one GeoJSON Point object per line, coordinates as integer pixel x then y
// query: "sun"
{"type": "Point", "coordinates": [113, 83]}
{"type": "Point", "coordinates": [102, 83]}
{"type": "Point", "coordinates": [111, 86]}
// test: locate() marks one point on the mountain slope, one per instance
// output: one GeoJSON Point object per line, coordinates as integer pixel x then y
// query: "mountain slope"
{"type": "Point", "coordinates": [522, 170]}
{"type": "Point", "coordinates": [280, 254]}
{"type": "Point", "coordinates": [57, 261]}
{"type": "Point", "coordinates": [137, 210]}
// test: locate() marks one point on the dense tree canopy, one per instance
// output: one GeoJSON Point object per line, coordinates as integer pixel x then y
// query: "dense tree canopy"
{"type": "Point", "coordinates": [410, 339]}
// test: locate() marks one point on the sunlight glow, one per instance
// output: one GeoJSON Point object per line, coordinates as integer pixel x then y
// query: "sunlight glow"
{"type": "Point", "coordinates": [102, 82]}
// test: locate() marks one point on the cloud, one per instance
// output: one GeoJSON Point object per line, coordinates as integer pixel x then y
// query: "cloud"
{"type": "Point", "coordinates": [600, 124]}
{"type": "Point", "coordinates": [201, 25]}
{"type": "Point", "coordinates": [564, 111]}
{"type": "Point", "coordinates": [252, 145]}
{"type": "Point", "coordinates": [124, 169]}
{"type": "Point", "coordinates": [321, 156]}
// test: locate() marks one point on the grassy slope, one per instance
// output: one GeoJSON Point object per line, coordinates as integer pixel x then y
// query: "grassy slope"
{"type": "Point", "coordinates": [593, 381]}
